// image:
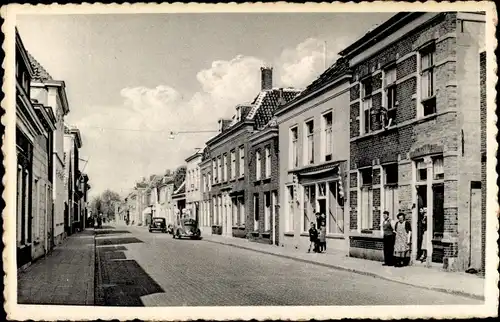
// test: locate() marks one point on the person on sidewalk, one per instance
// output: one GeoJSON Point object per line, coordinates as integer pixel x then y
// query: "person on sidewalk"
{"type": "Point", "coordinates": [389, 238]}
{"type": "Point", "coordinates": [402, 241]}
{"type": "Point", "coordinates": [322, 239]}
{"type": "Point", "coordinates": [313, 238]}
{"type": "Point", "coordinates": [423, 238]}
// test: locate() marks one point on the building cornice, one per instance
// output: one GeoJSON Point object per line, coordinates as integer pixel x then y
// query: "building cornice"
{"type": "Point", "coordinates": [264, 135]}
{"type": "Point", "coordinates": [193, 156]}
{"type": "Point", "coordinates": [219, 137]}
{"type": "Point", "coordinates": [328, 86]}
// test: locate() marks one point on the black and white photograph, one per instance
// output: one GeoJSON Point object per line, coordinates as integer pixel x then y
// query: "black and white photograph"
{"type": "Point", "coordinates": [252, 161]}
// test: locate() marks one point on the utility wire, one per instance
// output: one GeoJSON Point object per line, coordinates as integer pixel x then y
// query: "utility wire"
{"type": "Point", "coordinates": [156, 131]}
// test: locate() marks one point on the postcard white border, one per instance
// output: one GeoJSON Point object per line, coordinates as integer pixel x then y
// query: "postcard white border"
{"type": "Point", "coordinates": [38, 312]}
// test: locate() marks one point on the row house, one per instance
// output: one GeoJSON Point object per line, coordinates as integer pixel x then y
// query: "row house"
{"type": "Point", "coordinates": [72, 145]}
{"type": "Point", "coordinates": [193, 185]}
{"type": "Point", "coordinates": [205, 166]}
{"type": "Point", "coordinates": [230, 200]}
{"type": "Point", "coordinates": [263, 170]}
{"type": "Point", "coordinates": [314, 159]}
{"type": "Point", "coordinates": [51, 93]}
{"type": "Point", "coordinates": [179, 199]}
{"type": "Point", "coordinates": [35, 124]}
{"type": "Point", "coordinates": [414, 136]}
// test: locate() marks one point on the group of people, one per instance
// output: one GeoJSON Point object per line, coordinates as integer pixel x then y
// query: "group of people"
{"type": "Point", "coordinates": [317, 236]}
{"type": "Point", "coordinates": [397, 240]}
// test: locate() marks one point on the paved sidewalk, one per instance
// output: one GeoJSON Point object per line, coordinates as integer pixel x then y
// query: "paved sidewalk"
{"type": "Point", "coordinates": [66, 276]}
{"type": "Point", "coordinates": [428, 278]}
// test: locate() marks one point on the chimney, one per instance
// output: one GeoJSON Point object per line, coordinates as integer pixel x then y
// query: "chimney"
{"type": "Point", "coordinates": [281, 99]}
{"type": "Point", "coordinates": [266, 78]}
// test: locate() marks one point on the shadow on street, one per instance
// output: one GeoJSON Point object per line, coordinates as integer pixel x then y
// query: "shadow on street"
{"type": "Point", "coordinates": [111, 232]}
{"type": "Point", "coordinates": [121, 281]}
{"type": "Point", "coordinates": [117, 241]}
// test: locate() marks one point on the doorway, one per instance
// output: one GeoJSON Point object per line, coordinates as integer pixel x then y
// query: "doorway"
{"type": "Point", "coordinates": [421, 224]}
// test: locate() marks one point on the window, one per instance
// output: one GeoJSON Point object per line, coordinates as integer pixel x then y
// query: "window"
{"type": "Point", "coordinates": [328, 136]}
{"type": "Point", "coordinates": [309, 143]}
{"type": "Point", "coordinates": [242, 161]}
{"type": "Point", "coordinates": [391, 197]}
{"type": "Point", "coordinates": [294, 147]}
{"type": "Point", "coordinates": [234, 210]}
{"type": "Point", "coordinates": [421, 171]}
{"type": "Point", "coordinates": [226, 166]}
{"type": "Point", "coordinates": [427, 81]}
{"type": "Point", "coordinates": [209, 182]}
{"type": "Point", "coordinates": [219, 217]}
{"type": "Point", "coordinates": [367, 105]}
{"type": "Point", "coordinates": [258, 163]}
{"type": "Point", "coordinates": [309, 206]}
{"type": "Point", "coordinates": [268, 162]}
{"type": "Point", "coordinates": [289, 222]}
{"type": "Point", "coordinates": [233, 164]}
{"type": "Point", "coordinates": [214, 170]}
{"type": "Point", "coordinates": [273, 205]}
{"type": "Point", "coordinates": [214, 211]}
{"type": "Point", "coordinates": [438, 168]}
{"type": "Point", "coordinates": [335, 209]}
{"type": "Point", "coordinates": [219, 171]}
{"type": "Point", "coordinates": [267, 211]}
{"type": "Point", "coordinates": [37, 205]}
{"type": "Point", "coordinates": [256, 211]}
{"type": "Point", "coordinates": [391, 99]}
{"type": "Point", "coordinates": [366, 210]}
{"type": "Point", "coordinates": [205, 183]}
{"type": "Point", "coordinates": [241, 202]}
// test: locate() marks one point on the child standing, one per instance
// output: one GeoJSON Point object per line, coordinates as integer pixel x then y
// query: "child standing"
{"type": "Point", "coordinates": [313, 238]}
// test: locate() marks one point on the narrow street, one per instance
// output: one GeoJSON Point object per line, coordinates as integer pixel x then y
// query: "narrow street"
{"type": "Point", "coordinates": [138, 268]}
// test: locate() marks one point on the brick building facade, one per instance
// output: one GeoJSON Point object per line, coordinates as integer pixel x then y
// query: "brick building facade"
{"type": "Point", "coordinates": [263, 171]}
{"type": "Point", "coordinates": [414, 120]}
{"type": "Point", "coordinates": [229, 152]}
{"type": "Point", "coordinates": [314, 157]}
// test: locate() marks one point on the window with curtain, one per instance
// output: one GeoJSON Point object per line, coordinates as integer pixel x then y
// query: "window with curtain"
{"type": "Point", "coordinates": [309, 142]}
{"type": "Point", "coordinates": [328, 136]}
{"type": "Point", "coordinates": [268, 162]}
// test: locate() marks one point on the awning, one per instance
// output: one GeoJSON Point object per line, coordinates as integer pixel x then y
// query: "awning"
{"type": "Point", "coordinates": [313, 173]}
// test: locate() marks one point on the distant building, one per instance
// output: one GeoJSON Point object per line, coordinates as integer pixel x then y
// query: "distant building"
{"type": "Point", "coordinates": [166, 207]}
{"type": "Point", "coordinates": [193, 183]}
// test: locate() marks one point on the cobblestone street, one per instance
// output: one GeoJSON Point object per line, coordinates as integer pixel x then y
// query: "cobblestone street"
{"type": "Point", "coordinates": [138, 268]}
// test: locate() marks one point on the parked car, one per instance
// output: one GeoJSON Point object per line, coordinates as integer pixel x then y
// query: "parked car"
{"type": "Point", "coordinates": [158, 223]}
{"type": "Point", "coordinates": [187, 228]}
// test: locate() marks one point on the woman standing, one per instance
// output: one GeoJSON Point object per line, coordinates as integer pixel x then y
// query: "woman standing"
{"type": "Point", "coordinates": [402, 243]}
{"type": "Point", "coordinates": [322, 239]}
{"type": "Point", "coordinates": [423, 240]}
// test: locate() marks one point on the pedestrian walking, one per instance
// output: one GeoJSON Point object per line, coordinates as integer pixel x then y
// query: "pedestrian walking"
{"type": "Point", "coordinates": [313, 238]}
{"type": "Point", "coordinates": [402, 241]}
{"type": "Point", "coordinates": [322, 239]}
{"type": "Point", "coordinates": [389, 239]}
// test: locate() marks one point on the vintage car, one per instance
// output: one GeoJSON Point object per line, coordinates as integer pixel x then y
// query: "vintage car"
{"type": "Point", "coordinates": [158, 224]}
{"type": "Point", "coordinates": [187, 228]}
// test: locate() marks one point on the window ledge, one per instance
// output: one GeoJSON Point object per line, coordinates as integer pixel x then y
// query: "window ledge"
{"type": "Point", "coordinates": [427, 99]}
{"type": "Point", "coordinates": [289, 233]}
{"type": "Point", "coordinates": [400, 125]}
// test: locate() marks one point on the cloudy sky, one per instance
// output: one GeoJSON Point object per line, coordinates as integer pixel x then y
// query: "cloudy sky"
{"type": "Point", "coordinates": [131, 79]}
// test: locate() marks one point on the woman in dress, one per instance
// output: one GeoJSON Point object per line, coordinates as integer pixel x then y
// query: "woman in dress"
{"type": "Point", "coordinates": [423, 224]}
{"type": "Point", "coordinates": [402, 243]}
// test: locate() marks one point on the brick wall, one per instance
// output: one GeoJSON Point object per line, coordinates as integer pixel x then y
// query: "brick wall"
{"type": "Point", "coordinates": [409, 139]}
{"type": "Point", "coordinates": [262, 186]}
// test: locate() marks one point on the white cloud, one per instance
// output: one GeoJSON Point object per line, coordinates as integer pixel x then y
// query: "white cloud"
{"type": "Point", "coordinates": [129, 155]}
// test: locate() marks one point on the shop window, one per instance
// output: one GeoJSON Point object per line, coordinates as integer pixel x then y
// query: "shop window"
{"type": "Point", "coordinates": [309, 206]}
{"type": "Point", "coordinates": [335, 209]}
{"type": "Point", "coordinates": [309, 142]}
{"type": "Point", "coordinates": [327, 142]}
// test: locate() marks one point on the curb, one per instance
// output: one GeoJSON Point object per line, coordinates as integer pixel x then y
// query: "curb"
{"type": "Point", "coordinates": [353, 270]}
